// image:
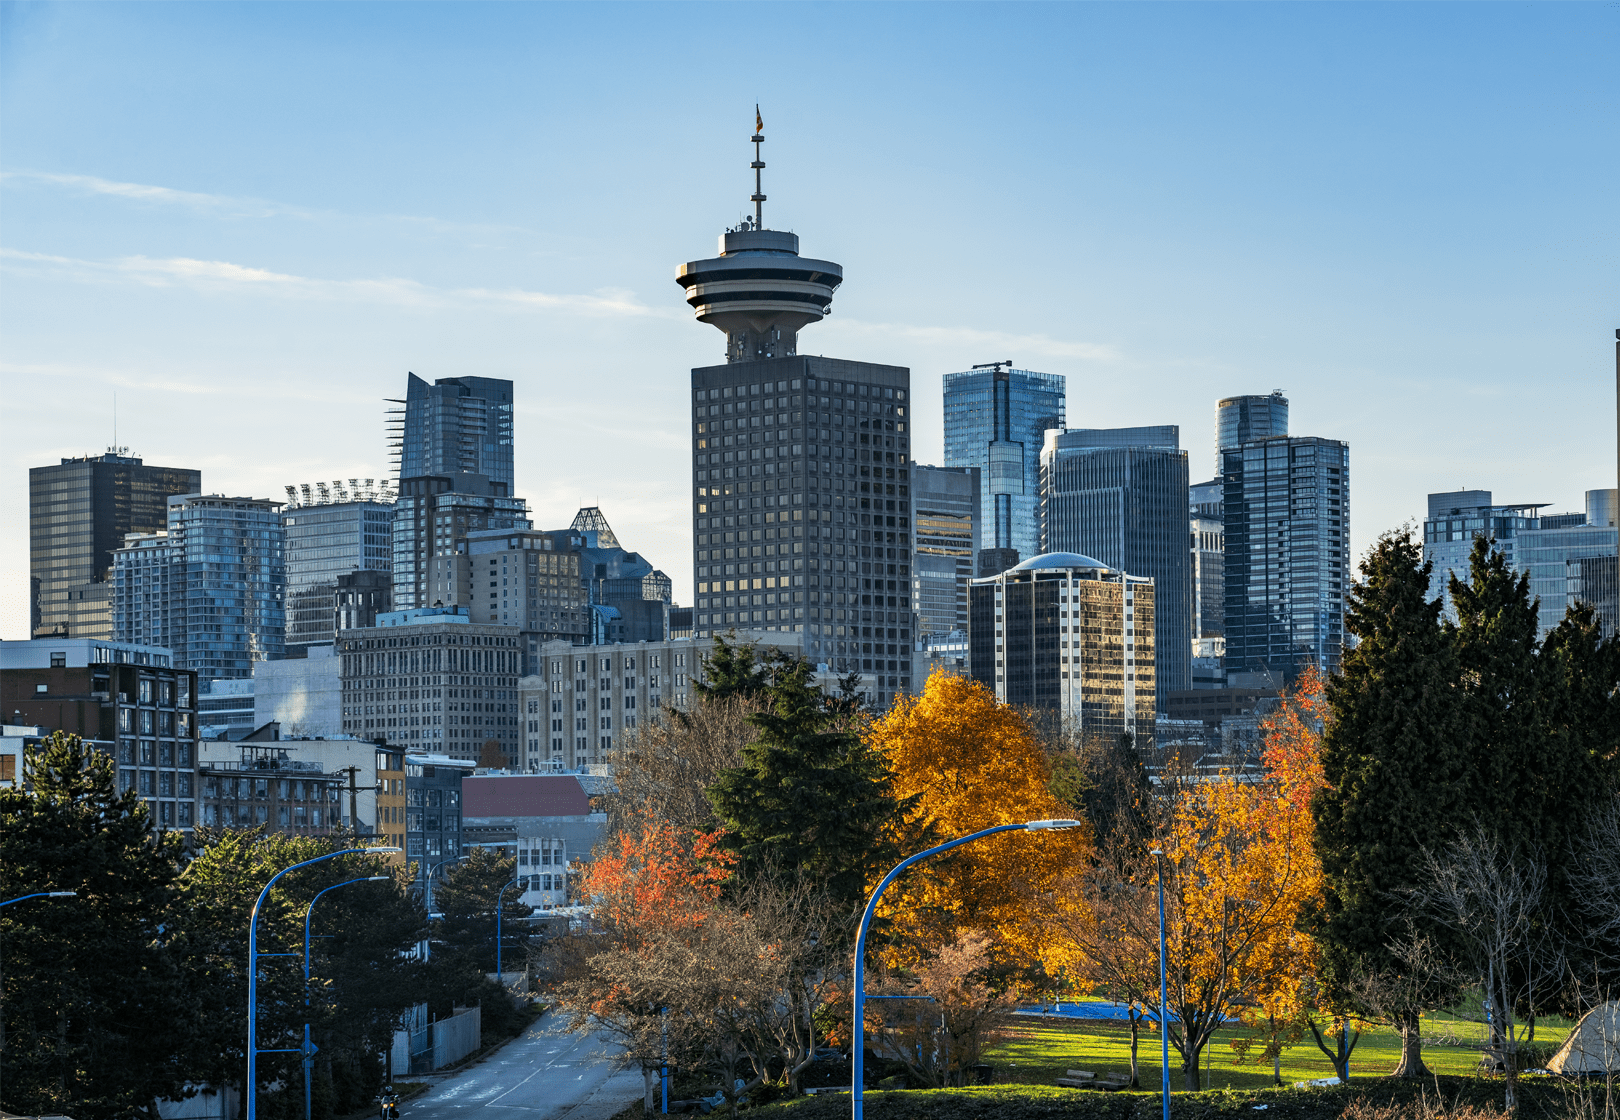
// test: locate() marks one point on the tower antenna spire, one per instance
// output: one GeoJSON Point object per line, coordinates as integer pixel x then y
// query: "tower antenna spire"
{"type": "Point", "coordinates": [758, 166]}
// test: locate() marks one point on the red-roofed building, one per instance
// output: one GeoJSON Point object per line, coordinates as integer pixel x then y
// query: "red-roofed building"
{"type": "Point", "coordinates": [544, 821]}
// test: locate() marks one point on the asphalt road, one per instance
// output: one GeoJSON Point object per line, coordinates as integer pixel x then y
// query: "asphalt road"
{"type": "Point", "coordinates": [548, 1074]}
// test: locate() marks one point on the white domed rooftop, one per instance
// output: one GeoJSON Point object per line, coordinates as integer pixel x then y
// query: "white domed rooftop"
{"type": "Point", "coordinates": [1058, 560]}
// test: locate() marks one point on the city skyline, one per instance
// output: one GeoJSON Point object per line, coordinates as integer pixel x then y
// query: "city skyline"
{"type": "Point", "coordinates": [231, 287]}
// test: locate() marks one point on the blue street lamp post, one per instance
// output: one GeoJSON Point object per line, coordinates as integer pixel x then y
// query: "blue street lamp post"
{"type": "Point", "coordinates": [309, 1049]}
{"type": "Point", "coordinates": [253, 1050]}
{"type": "Point", "coordinates": [427, 898]}
{"type": "Point", "coordinates": [25, 898]}
{"type": "Point", "coordinates": [858, 1024]}
{"type": "Point", "coordinates": [500, 900]}
{"type": "Point", "coordinates": [1164, 1011]}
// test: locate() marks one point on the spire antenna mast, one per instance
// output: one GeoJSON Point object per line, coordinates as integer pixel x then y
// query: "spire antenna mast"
{"type": "Point", "coordinates": [758, 166]}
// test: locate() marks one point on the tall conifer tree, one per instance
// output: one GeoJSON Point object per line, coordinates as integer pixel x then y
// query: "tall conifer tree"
{"type": "Point", "coordinates": [809, 794]}
{"type": "Point", "coordinates": [1398, 778]}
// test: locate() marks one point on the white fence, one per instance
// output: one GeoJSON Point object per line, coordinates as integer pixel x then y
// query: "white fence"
{"type": "Point", "coordinates": [456, 1037]}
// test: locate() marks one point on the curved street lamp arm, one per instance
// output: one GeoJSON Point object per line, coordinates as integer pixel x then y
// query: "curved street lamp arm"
{"type": "Point", "coordinates": [858, 1024]}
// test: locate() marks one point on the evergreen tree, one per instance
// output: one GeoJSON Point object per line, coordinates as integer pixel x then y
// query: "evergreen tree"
{"type": "Point", "coordinates": [97, 1018]}
{"type": "Point", "coordinates": [1398, 782]}
{"type": "Point", "coordinates": [467, 895]}
{"type": "Point", "coordinates": [809, 795]}
{"type": "Point", "coordinates": [732, 670]}
{"type": "Point", "coordinates": [1576, 777]}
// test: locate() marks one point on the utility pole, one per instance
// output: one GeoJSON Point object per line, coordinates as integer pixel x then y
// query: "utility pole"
{"type": "Point", "coordinates": [354, 793]}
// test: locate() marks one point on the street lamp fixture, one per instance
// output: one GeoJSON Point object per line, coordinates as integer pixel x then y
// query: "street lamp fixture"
{"type": "Point", "coordinates": [500, 900]}
{"type": "Point", "coordinates": [253, 1050]}
{"type": "Point", "coordinates": [858, 1025]}
{"type": "Point", "coordinates": [309, 1047]}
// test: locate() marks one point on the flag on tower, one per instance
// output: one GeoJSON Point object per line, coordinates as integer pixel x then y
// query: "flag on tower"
{"type": "Point", "coordinates": [759, 121]}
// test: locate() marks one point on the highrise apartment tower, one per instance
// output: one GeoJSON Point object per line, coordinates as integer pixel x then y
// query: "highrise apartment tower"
{"type": "Point", "coordinates": [455, 425]}
{"type": "Point", "coordinates": [78, 513]}
{"type": "Point", "coordinates": [332, 531]}
{"type": "Point", "coordinates": [996, 419]}
{"type": "Point", "coordinates": [801, 507]}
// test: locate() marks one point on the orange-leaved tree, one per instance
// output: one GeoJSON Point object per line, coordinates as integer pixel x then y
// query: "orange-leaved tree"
{"type": "Point", "coordinates": [653, 891]}
{"type": "Point", "coordinates": [963, 762]}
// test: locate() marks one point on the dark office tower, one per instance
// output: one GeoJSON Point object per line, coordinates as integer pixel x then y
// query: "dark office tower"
{"type": "Point", "coordinates": [333, 530]}
{"type": "Point", "coordinates": [1121, 495]}
{"type": "Point", "coordinates": [947, 510]}
{"type": "Point", "coordinates": [78, 513]}
{"type": "Point", "coordinates": [801, 508]}
{"type": "Point", "coordinates": [996, 419]}
{"type": "Point", "coordinates": [1287, 515]}
{"type": "Point", "coordinates": [455, 425]}
{"type": "Point", "coordinates": [1238, 420]}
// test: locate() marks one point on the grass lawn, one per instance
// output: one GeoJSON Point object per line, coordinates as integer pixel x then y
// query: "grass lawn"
{"type": "Point", "coordinates": [1040, 1050]}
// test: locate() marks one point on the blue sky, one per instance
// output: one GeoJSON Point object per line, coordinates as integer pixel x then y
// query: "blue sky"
{"type": "Point", "coordinates": [249, 221]}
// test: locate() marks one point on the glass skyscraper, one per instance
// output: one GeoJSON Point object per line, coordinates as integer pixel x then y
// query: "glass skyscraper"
{"type": "Point", "coordinates": [947, 509]}
{"type": "Point", "coordinates": [1286, 509]}
{"type": "Point", "coordinates": [1238, 420]}
{"type": "Point", "coordinates": [455, 425]}
{"type": "Point", "coordinates": [996, 419]}
{"type": "Point", "coordinates": [1120, 495]}
{"type": "Point", "coordinates": [1455, 519]}
{"type": "Point", "coordinates": [331, 532]}
{"type": "Point", "coordinates": [78, 513]}
{"type": "Point", "coordinates": [1570, 563]}
{"type": "Point", "coordinates": [215, 580]}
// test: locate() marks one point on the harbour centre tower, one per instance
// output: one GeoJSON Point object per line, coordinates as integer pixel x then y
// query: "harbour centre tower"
{"type": "Point", "coordinates": [801, 506]}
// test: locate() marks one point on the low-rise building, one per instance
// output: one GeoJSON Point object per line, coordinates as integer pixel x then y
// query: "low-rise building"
{"type": "Point", "coordinates": [303, 694]}
{"type": "Point", "coordinates": [128, 699]}
{"type": "Point", "coordinates": [433, 832]}
{"type": "Point", "coordinates": [581, 703]}
{"type": "Point", "coordinates": [542, 821]}
{"type": "Point", "coordinates": [265, 786]}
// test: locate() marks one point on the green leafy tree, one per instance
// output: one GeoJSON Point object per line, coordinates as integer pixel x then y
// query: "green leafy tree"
{"type": "Point", "coordinates": [1398, 780]}
{"type": "Point", "coordinates": [97, 1017]}
{"type": "Point", "coordinates": [809, 797]}
{"type": "Point", "coordinates": [467, 895]}
{"type": "Point", "coordinates": [364, 974]}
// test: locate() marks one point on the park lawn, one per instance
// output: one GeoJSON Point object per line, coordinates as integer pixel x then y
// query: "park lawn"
{"type": "Point", "coordinates": [1039, 1051]}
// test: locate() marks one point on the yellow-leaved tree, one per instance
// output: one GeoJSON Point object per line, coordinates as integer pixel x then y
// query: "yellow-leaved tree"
{"type": "Point", "coordinates": [964, 762]}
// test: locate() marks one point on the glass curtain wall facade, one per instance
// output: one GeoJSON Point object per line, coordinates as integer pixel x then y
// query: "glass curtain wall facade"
{"type": "Point", "coordinates": [802, 509]}
{"type": "Point", "coordinates": [326, 541]}
{"type": "Point", "coordinates": [1287, 523]}
{"type": "Point", "coordinates": [79, 512]}
{"type": "Point", "coordinates": [214, 583]}
{"type": "Point", "coordinates": [1569, 563]}
{"type": "Point", "coordinates": [1120, 495]}
{"type": "Point", "coordinates": [1455, 519]}
{"type": "Point", "coordinates": [455, 425]}
{"type": "Point", "coordinates": [1065, 633]}
{"type": "Point", "coordinates": [996, 420]}
{"type": "Point", "coordinates": [947, 511]}
{"type": "Point", "coordinates": [1240, 420]}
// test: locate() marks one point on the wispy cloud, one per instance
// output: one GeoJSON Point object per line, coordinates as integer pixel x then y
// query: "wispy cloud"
{"type": "Point", "coordinates": [235, 206]}
{"type": "Point", "coordinates": [961, 338]}
{"type": "Point", "coordinates": [227, 276]}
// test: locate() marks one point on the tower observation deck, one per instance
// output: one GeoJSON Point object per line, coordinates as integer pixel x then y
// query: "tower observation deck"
{"type": "Point", "coordinates": [759, 291]}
